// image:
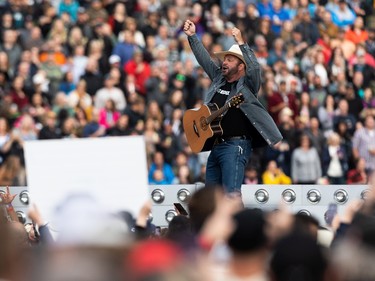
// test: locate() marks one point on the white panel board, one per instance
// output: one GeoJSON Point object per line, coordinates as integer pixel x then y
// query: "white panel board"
{"type": "Point", "coordinates": [113, 170]}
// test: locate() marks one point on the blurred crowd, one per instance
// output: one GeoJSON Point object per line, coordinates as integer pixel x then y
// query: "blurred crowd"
{"type": "Point", "coordinates": [82, 69]}
{"type": "Point", "coordinates": [216, 239]}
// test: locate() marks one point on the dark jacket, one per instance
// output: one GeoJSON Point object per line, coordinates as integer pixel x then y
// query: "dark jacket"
{"type": "Point", "coordinates": [343, 158]}
{"type": "Point", "coordinates": [249, 85]}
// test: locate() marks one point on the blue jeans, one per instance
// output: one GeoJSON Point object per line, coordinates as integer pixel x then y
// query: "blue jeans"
{"type": "Point", "coordinates": [226, 164]}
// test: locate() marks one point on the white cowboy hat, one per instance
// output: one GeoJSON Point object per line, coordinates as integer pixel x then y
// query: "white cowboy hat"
{"type": "Point", "coordinates": [234, 51]}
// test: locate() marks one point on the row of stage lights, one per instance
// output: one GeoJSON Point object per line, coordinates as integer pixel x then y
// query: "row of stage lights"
{"type": "Point", "coordinates": [313, 196]}
{"type": "Point", "coordinates": [261, 196]}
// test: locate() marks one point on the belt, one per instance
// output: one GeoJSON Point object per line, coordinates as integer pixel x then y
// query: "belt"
{"type": "Point", "coordinates": [224, 139]}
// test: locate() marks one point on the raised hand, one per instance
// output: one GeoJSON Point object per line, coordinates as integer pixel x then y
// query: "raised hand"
{"type": "Point", "coordinates": [7, 198]}
{"type": "Point", "coordinates": [237, 36]}
{"type": "Point", "coordinates": [189, 28]}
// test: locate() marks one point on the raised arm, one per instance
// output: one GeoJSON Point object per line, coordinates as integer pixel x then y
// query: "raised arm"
{"type": "Point", "coordinates": [200, 52]}
{"type": "Point", "coordinates": [6, 201]}
{"type": "Point", "coordinates": [253, 69]}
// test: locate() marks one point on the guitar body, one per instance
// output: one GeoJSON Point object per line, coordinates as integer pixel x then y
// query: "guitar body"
{"type": "Point", "coordinates": [199, 134]}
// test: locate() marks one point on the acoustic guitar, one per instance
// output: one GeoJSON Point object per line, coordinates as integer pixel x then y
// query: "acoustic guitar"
{"type": "Point", "coordinates": [202, 125]}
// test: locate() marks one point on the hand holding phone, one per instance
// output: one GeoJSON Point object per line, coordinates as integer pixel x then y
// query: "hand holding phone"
{"type": "Point", "coordinates": [330, 214]}
{"type": "Point", "coordinates": [180, 209]}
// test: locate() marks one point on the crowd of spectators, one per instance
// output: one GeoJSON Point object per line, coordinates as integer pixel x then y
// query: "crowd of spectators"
{"type": "Point", "coordinates": [81, 69]}
{"type": "Point", "coordinates": [215, 239]}
{"type": "Point", "coordinates": [95, 68]}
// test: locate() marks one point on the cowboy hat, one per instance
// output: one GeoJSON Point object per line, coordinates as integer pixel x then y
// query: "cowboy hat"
{"type": "Point", "coordinates": [234, 51]}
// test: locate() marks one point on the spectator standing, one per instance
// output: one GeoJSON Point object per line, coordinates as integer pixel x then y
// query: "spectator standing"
{"type": "Point", "coordinates": [79, 62]}
{"type": "Point", "coordinates": [49, 130]}
{"type": "Point", "coordinates": [121, 127]}
{"type": "Point", "coordinates": [264, 8]}
{"type": "Point", "coordinates": [364, 143]}
{"type": "Point", "coordinates": [342, 114]}
{"type": "Point", "coordinates": [131, 26]}
{"type": "Point", "coordinates": [335, 160]}
{"type": "Point", "coordinates": [274, 175]}
{"type": "Point", "coordinates": [370, 42]}
{"type": "Point", "coordinates": [357, 33]}
{"type": "Point", "coordinates": [247, 245]}
{"type": "Point", "coordinates": [13, 50]}
{"type": "Point", "coordinates": [97, 52]}
{"type": "Point", "coordinates": [53, 73]}
{"type": "Point", "coordinates": [79, 96]}
{"type": "Point", "coordinates": [251, 22]}
{"type": "Point", "coordinates": [368, 103]}
{"type": "Point", "coordinates": [97, 13]}
{"type": "Point", "coordinates": [75, 38]}
{"type": "Point", "coordinates": [125, 48]}
{"type": "Point", "coordinates": [109, 115]}
{"type": "Point", "coordinates": [315, 134]}
{"type": "Point", "coordinates": [93, 77]}
{"type": "Point", "coordinates": [306, 167]}
{"type": "Point", "coordinates": [159, 164]}
{"type": "Point", "coordinates": [226, 38]}
{"type": "Point", "coordinates": [251, 176]}
{"type": "Point", "coordinates": [70, 7]}
{"type": "Point", "coordinates": [109, 91]}
{"type": "Point", "coordinates": [278, 100]}
{"type": "Point", "coordinates": [326, 26]}
{"type": "Point", "coordinates": [140, 69]}
{"type": "Point", "coordinates": [358, 174]}
{"type": "Point", "coordinates": [278, 16]}
{"type": "Point", "coordinates": [93, 129]}
{"type": "Point", "coordinates": [308, 28]}
{"type": "Point", "coordinates": [33, 38]}
{"type": "Point", "coordinates": [238, 17]}
{"type": "Point", "coordinates": [342, 15]}
{"type": "Point", "coordinates": [277, 52]}
{"type": "Point", "coordinates": [17, 93]}
{"type": "Point", "coordinates": [264, 28]}
{"type": "Point", "coordinates": [325, 115]}
{"type": "Point", "coordinates": [117, 19]}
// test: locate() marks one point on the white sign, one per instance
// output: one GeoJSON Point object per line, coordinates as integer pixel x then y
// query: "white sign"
{"type": "Point", "coordinates": [113, 170]}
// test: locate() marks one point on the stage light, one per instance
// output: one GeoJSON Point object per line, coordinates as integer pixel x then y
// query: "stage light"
{"type": "Point", "coordinates": [289, 196]}
{"type": "Point", "coordinates": [340, 196]}
{"type": "Point", "coordinates": [364, 194]}
{"type": "Point", "coordinates": [2, 192]}
{"type": "Point", "coordinates": [261, 196]}
{"type": "Point", "coordinates": [314, 196]}
{"type": "Point", "coordinates": [304, 212]}
{"type": "Point", "coordinates": [158, 196]}
{"type": "Point", "coordinates": [169, 215]}
{"type": "Point", "coordinates": [150, 217]}
{"type": "Point", "coordinates": [183, 195]}
{"type": "Point", "coordinates": [24, 197]}
{"type": "Point", "coordinates": [21, 217]}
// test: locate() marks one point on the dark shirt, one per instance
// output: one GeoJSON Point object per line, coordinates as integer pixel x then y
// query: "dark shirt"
{"type": "Point", "coordinates": [90, 129]}
{"type": "Point", "coordinates": [233, 115]}
{"type": "Point", "coordinates": [47, 133]}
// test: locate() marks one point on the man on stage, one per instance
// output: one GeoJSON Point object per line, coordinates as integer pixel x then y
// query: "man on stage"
{"type": "Point", "coordinates": [245, 126]}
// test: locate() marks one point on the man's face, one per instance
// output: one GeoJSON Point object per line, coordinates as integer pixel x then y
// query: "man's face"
{"type": "Point", "coordinates": [230, 65]}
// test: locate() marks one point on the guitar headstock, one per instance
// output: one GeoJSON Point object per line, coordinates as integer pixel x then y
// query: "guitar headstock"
{"type": "Point", "coordinates": [236, 100]}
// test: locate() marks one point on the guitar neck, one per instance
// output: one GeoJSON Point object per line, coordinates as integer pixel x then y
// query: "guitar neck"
{"type": "Point", "coordinates": [217, 113]}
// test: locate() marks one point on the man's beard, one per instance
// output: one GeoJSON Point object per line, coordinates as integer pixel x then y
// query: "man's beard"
{"type": "Point", "coordinates": [229, 72]}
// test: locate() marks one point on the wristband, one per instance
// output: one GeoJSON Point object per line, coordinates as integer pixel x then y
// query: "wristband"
{"type": "Point", "coordinates": [204, 243]}
{"type": "Point", "coordinates": [9, 207]}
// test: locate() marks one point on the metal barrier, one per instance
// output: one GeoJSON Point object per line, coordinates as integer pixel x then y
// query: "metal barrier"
{"type": "Point", "coordinates": [310, 199]}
